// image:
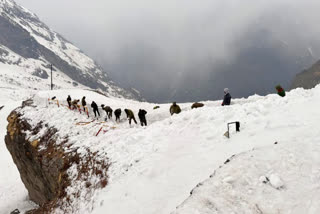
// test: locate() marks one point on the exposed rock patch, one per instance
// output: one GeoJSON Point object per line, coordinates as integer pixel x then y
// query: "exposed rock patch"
{"type": "Point", "coordinates": [53, 173]}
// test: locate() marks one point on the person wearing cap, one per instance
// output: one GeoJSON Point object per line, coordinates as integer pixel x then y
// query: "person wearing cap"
{"type": "Point", "coordinates": [226, 98]}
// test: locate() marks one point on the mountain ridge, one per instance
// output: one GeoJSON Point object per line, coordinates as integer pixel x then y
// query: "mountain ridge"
{"type": "Point", "coordinates": [28, 43]}
{"type": "Point", "coordinates": [308, 78]}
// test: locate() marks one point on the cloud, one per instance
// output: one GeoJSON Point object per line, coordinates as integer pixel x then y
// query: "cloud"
{"type": "Point", "coordinates": [148, 41]}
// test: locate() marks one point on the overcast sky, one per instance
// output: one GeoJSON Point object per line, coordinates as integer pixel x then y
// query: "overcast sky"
{"type": "Point", "coordinates": [177, 33]}
{"type": "Point", "coordinates": [174, 26]}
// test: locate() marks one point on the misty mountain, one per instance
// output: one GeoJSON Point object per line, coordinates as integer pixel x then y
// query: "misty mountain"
{"type": "Point", "coordinates": [271, 49]}
{"type": "Point", "coordinates": [29, 47]}
{"type": "Point", "coordinates": [307, 79]}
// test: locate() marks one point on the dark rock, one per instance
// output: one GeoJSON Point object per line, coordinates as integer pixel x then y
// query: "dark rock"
{"type": "Point", "coordinates": [40, 73]}
{"type": "Point", "coordinates": [16, 211]}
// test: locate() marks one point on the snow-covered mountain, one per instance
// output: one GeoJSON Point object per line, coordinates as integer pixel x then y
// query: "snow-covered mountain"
{"type": "Point", "coordinates": [28, 48]}
{"type": "Point", "coordinates": [153, 169]}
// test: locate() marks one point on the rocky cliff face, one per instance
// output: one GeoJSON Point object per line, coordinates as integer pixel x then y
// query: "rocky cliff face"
{"type": "Point", "coordinates": [55, 174]}
{"type": "Point", "coordinates": [308, 78]}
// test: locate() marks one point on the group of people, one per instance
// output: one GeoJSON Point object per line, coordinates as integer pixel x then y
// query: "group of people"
{"type": "Point", "coordinates": [174, 109]}
{"type": "Point", "coordinates": [129, 113]}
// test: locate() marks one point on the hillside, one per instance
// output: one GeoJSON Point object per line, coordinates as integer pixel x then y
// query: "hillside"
{"type": "Point", "coordinates": [154, 168]}
{"type": "Point", "coordinates": [28, 47]}
{"type": "Point", "coordinates": [307, 79]}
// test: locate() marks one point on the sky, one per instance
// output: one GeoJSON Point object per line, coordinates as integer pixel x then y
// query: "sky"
{"type": "Point", "coordinates": [151, 44]}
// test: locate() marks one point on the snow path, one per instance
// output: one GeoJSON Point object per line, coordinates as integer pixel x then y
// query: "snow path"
{"type": "Point", "coordinates": [13, 194]}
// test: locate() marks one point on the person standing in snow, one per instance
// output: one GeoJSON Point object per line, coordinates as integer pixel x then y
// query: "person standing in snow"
{"type": "Point", "coordinates": [142, 117]}
{"type": "Point", "coordinates": [226, 98]}
{"type": "Point", "coordinates": [117, 113]}
{"type": "Point", "coordinates": [175, 109]}
{"type": "Point", "coordinates": [84, 103]}
{"type": "Point", "coordinates": [108, 111]}
{"type": "Point", "coordinates": [94, 106]}
{"type": "Point", "coordinates": [69, 101]}
{"type": "Point", "coordinates": [130, 116]}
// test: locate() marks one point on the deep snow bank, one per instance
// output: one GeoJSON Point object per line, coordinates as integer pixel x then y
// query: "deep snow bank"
{"type": "Point", "coordinates": [154, 168]}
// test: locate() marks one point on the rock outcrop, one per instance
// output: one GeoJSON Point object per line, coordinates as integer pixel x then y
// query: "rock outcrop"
{"type": "Point", "coordinates": [48, 168]}
{"type": "Point", "coordinates": [308, 78]}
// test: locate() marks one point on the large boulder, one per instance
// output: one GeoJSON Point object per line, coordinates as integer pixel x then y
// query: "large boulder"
{"type": "Point", "coordinates": [45, 165]}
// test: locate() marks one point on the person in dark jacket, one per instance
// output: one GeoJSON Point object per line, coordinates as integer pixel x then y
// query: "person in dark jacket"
{"type": "Point", "coordinates": [117, 113]}
{"type": "Point", "coordinates": [69, 101]}
{"type": "Point", "coordinates": [108, 110]}
{"type": "Point", "coordinates": [226, 98]}
{"type": "Point", "coordinates": [84, 103]}
{"type": "Point", "coordinates": [130, 115]}
{"type": "Point", "coordinates": [142, 117]}
{"type": "Point", "coordinates": [175, 109]}
{"type": "Point", "coordinates": [95, 108]}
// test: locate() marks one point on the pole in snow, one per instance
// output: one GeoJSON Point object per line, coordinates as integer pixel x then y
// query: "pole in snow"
{"type": "Point", "coordinates": [51, 78]}
{"type": "Point", "coordinates": [237, 123]}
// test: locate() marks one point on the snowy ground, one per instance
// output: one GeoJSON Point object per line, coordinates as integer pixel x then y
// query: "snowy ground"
{"type": "Point", "coordinates": [282, 178]}
{"type": "Point", "coordinates": [13, 194]}
{"type": "Point", "coordinates": [154, 168]}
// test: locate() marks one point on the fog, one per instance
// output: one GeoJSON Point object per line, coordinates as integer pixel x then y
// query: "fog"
{"type": "Point", "coordinates": [188, 50]}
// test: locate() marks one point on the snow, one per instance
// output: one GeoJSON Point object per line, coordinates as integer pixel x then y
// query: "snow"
{"type": "Point", "coordinates": [276, 181]}
{"type": "Point", "coordinates": [16, 76]}
{"type": "Point", "coordinates": [49, 39]}
{"type": "Point", "coordinates": [12, 191]}
{"type": "Point", "coordinates": [298, 192]}
{"type": "Point", "coordinates": [67, 52]}
{"type": "Point", "coordinates": [154, 168]}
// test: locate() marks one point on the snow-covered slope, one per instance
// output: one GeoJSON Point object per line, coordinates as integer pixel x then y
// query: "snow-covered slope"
{"type": "Point", "coordinates": [283, 178]}
{"type": "Point", "coordinates": [154, 168]}
{"type": "Point", "coordinates": [28, 48]}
